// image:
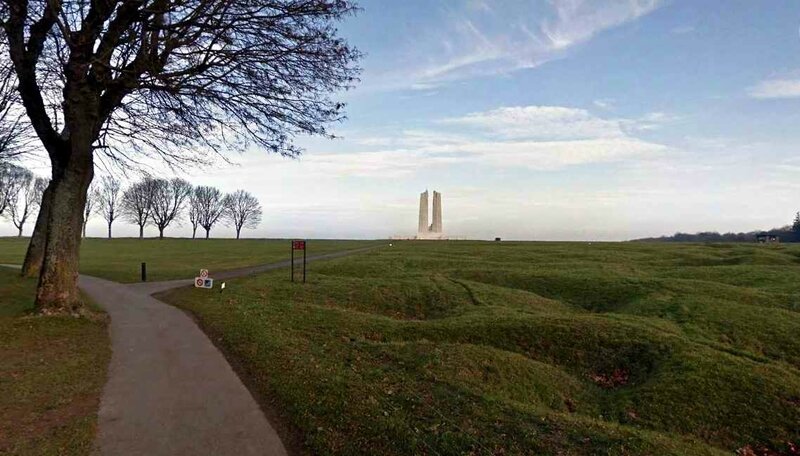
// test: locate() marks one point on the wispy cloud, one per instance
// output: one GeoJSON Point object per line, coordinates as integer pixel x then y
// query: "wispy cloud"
{"type": "Point", "coordinates": [579, 20]}
{"type": "Point", "coordinates": [481, 39]}
{"type": "Point", "coordinates": [776, 88]}
{"type": "Point", "coordinates": [604, 103]}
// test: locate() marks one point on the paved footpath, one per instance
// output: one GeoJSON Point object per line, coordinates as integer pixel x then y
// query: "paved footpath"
{"type": "Point", "coordinates": [169, 390]}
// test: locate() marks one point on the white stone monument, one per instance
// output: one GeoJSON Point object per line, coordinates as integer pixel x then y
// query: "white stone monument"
{"type": "Point", "coordinates": [434, 230]}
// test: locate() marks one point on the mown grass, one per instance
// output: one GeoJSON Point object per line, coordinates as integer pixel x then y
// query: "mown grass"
{"type": "Point", "coordinates": [167, 259]}
{"type": "Point", "coordinates": [525, 348]}
{"type": "Point", "coordinates": [52, 370]}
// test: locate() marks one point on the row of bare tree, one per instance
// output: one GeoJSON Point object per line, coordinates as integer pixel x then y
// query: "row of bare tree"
{"type": "Point", "coordinates": [162, 202]}
{"type": "Point", "coordinates": [150, 201]}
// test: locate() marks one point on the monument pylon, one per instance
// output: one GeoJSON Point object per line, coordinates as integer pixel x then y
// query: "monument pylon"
{"type": "Point", "coordinates": [436, 226]}
{"type": "Point", "coordinates": [423, 212]}
{"type": "Point", "coordinates": [434, 230]}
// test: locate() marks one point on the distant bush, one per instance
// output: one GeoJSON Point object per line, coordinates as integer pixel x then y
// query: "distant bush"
{"type": "Point", "coordinates": [786, 234]}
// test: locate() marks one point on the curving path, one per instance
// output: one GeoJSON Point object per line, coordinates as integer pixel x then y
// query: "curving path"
{"type": "Point", "coordinates": [169, 390]}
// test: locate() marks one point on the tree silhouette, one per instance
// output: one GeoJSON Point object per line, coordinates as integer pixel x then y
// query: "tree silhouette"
{"type": "Point", "coordinates": [242, 210]}
{"type": "Point", "coordinates": [25, 202]}
{"type": "Point", "coordinates": [108, 200]}
{"type": "Point", "coordinates": [91, 201]}
{"type": "Point", "coordinates": [137, 203]}
{"type": "Point", "coordinates": [169, 197]}
{"type": "Point", "coordinates": [210, 207]}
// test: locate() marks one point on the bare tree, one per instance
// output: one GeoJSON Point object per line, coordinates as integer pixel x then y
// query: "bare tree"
{"type": "Point", "coordinates": [242, 210]}
{"type": "Point", "coordinates": [91, 201]}
{"type": "Point", "coordinates": [11, 179]}
{"type": "Point", "coordinates": [108, 200]}
{"type": "Point", "coordinates": [25, 202]}
{"type": "Point", "coordinates": [193, 212]}
{"type": "Point", "coordinates": [209, 206]}
{"type": "Point", "coordinates": [137, 203]}
{"type": "Point", "coordinates": [162, 77]}
{"type": "Point", "coordinates": [169, 197]}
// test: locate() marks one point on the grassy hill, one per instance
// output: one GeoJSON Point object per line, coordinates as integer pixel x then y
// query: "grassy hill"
{"type": "Point", "coordinates": [524, 348]}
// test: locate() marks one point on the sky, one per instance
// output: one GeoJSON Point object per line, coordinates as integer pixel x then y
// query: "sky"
{"type": "Point", "coordinates": [545, 120]}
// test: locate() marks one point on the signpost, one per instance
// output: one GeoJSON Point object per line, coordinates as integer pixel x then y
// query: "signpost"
{"type": "Point", "coordinates": [203, 281]}
{"type": "Point", "coordinates": [200, 282]}
{"type": "Point", "coordinates": [299, 245]}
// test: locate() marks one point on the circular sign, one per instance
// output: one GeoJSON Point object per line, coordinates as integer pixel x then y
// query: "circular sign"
{"type": "Point", "coordinates": [204, 273]}
{"type": "Point", "coordinates": [199, 282]}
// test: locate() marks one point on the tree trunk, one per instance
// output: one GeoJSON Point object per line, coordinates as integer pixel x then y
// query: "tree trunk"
{"type": "Point", "coordinates": [20, 231]}
{"type": "Point", "coordinates": [109, 230]}
{"type": "Point", "coordinates": [208, 230]}
{"type": "Point", "coordinates": [160, 232]}
{"type": "Point", "coordinates": [35, 254]}
{"type": "Point", "coordinates": [141, 231]}
{"type": "Point", "coordinates": [57, 292]}
{"type": "Point", "coordinates": [238, 230]}
{"type": "Point", "coordinates": [84, 228]}
{"type": "Point", "coordinates": [194, 232]}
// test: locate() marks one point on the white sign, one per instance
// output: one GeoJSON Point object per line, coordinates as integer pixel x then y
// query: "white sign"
{"type": "Point", "coordinates": [204, 273]}
{"type": "Point", "coordinates": [203, 282]}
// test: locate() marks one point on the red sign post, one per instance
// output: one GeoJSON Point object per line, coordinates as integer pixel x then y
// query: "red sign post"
{"type": "Point", "coordinates": [299, 245]}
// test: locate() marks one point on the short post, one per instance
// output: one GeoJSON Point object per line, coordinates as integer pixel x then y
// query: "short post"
{"type": "Point", "coordinates": [298, 245]}
{"type": "Point", "coordinates": [144, 272]}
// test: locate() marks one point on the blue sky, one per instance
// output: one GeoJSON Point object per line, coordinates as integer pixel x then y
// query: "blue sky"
{"type": "Point", "coordinates": [550, 120]}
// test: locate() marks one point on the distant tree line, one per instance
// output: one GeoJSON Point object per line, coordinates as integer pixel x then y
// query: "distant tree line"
{"type": "Point", "coordinates": [151, 201]}
{"type": "Point", "coordinates": [788, 233]}
{"type": "Point", "coordinates": [704, 236]}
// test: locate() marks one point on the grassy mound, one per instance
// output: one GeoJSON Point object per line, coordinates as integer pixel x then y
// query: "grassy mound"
{"type": "Point", "coordinates": [523, 348]}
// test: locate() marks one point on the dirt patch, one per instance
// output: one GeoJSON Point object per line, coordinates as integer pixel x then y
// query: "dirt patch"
{"type": "Point", "coordinates": [617, 378]}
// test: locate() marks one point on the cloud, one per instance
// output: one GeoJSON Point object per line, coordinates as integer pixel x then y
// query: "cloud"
{"type": "Point", "coordinates": [776, 88]}
{"type": "Point", "coordinates": [542, 122]}
{"type": "Point", "coordinates": [556, 122]}
{"type": "Point", "coordinates": [604, 103]}
{"type": "Point", "coordinates": [541, 138]}
{"type": "Point", "coordinates": [579, 20]}
{"type": "Point", "coordinates": [477, 40]}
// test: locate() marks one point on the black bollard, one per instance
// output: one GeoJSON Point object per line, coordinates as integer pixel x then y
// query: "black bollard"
{"type": "Point", "coordinates": [144, 272]}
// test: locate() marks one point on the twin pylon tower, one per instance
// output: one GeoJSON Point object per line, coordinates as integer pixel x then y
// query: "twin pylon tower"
{"type": "Point", "coordinates": [434, 230]}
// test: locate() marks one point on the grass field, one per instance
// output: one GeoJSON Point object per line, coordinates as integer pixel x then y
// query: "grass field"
{"type": "Point", "coordinates": [52, 370]}
{"type": "Point", "coordinates": [524, 348]}
{"type": "Point", "coordinates": [120, 259]}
